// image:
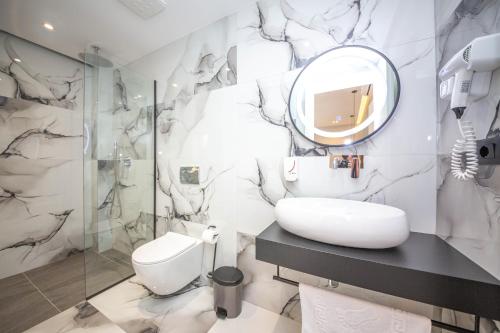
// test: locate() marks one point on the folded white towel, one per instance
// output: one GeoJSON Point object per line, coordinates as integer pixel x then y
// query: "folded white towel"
{"type": "Point", "coordinates": [325, 311]}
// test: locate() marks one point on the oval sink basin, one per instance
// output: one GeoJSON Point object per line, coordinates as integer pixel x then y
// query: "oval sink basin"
{"type": "Point", "coordinates": [344, 222]}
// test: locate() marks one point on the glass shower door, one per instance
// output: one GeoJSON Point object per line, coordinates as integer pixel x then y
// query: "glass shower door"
{"type": "Point", "coordinates": [118, 169]}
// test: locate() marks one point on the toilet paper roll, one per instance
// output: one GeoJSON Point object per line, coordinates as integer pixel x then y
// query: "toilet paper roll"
{"type": "Point", "coordinates": [210, 236]}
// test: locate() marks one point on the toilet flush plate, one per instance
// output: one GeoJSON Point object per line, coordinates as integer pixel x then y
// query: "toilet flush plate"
{"type": "Point", "coordinates": [190, 175]}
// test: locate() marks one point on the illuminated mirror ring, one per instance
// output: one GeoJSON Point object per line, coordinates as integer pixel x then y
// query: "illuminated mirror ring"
{"type": "Point", "coordinates": [344, 96]}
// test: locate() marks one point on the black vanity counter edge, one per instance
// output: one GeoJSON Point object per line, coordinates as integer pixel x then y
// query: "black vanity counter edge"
{"type": "Point", "coordinates": [425, 268]}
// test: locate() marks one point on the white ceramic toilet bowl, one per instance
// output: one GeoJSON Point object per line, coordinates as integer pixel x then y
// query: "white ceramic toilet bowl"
{"type": "Point", "coordinates": [168, 263]}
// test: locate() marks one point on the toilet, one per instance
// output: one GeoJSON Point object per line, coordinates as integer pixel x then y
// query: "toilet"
{"type": "Point", "coordinates": [168, 263]}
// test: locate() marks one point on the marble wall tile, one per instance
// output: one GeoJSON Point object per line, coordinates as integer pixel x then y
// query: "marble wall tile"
{"type": "Point", "coordinates": [41, 223]}
{"type": "Point", "coordinates": [238, 135]}
{"type": "Point", "coordinates": [202, 61]}
{"type": "Point", "coordinates": [119, 166]}
{"type": "Point", "coordinates": [472, 227]}
{"type": "Point", "coordinates": [240, 169]}
{"type": "Point", "coordinates": [34, 131]}
{"type": "Point", "coordinates": [267, 136]}
{"type": "Point", "coordinates": [41, 140]}
{"type": "Point", "coordinates": [124, 204]}
{"type": "Point", "coordinates": [467, 211]}
{"type": "Point", "coordinates": [278, 36]}
{"type": "Point", "coordinates": [38, 164]}
{"type": "Point", "coordinates": [415, 114]}
{"type": "Point", "coordinates": [34, 73]}
{"type": "Point", "coordinates": [123, 116]}
{"type": "Point", "coordinates": [403, 181]}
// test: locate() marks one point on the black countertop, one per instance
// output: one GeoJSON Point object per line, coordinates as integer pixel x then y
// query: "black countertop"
{"type": "Point", "coordinates": [425, 268]}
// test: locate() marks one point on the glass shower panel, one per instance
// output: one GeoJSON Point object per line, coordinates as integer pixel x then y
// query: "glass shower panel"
{"type": "Point", "coordinates": [118, 170]}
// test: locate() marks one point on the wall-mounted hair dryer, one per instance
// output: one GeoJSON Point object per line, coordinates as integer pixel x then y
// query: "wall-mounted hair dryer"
{"type": "Point", "coordinates": [467, 77]}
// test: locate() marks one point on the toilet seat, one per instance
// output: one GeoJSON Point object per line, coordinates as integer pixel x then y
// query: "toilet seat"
{"type": "Point", "coordinates": [163, 248]}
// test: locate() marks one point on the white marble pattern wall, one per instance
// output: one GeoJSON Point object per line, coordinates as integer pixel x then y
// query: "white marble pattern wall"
{"type": "Point", "coordinates": [40, 156]}
{"type": "Point", "coordinates": [36, 74]}
{"type": "Point", "coordinates": [467, 214]}
{"type": "Point", "coordinates": [124, 114]}
{"type": "Point", "coordinates": [119, 166]}
{"type": "Point", "coordinates": [239, 133]}
{"type": "Point", "coordinates": [124, 208]}
{"type": "Point", "coordinates": [411, 53]}
{"type": "Point", "coordinates": [472, 228]}
{"type": "Point", "coordinates": [268, 30]}
{"type": "Point", "coordinates": [204, 61]}
{"type": "Point", "coordinates": [277, 36]}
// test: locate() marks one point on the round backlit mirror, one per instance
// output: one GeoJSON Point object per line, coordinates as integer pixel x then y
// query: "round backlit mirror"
{"type": "Point", "coordinates": [344, 96]}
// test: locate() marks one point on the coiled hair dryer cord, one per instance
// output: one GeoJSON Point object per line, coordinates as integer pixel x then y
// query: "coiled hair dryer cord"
{"type": "Point", "coordinates": [464, 160]}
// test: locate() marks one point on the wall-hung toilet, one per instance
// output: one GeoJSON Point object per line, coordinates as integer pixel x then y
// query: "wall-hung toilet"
{"type": "Point", "coordinates": [168, 263]}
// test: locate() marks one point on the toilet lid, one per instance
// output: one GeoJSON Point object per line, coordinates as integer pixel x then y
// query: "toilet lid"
{"type": "Point", "coordinates": [163, 248]}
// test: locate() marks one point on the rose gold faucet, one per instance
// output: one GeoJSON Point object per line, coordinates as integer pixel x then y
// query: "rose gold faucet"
{"type": "Point", "coordinates": [355, 167]}
{"type": "Point", "coordinates": [353, 162]}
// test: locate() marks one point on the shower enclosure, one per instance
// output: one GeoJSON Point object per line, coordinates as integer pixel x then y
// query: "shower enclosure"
{"type": "Point", "coordinates": [119, 167]}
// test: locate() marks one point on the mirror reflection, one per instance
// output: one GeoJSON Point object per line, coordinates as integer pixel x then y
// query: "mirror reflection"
{"type": "Point", "coordinates": [344, 96]}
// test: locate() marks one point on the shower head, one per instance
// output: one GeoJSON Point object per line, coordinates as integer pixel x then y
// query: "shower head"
{"type": "Point", "coordinates": [94, 59]}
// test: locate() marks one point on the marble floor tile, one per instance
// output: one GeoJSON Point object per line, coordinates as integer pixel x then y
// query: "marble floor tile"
{"type": "Point", "coordinates": [80, 318]}
{"type": "Point", "coordinates": [22, 305]}
{"type": "Point", "coordinates": [63, 282]}
{"type": "Point", "coordinates": [136, 310]}
{"type": "Point", "coordinates": [256, 319]}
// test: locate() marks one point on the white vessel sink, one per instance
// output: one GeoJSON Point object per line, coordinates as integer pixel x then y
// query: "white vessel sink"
{"type": "Point", "coordinates": [344, 222]}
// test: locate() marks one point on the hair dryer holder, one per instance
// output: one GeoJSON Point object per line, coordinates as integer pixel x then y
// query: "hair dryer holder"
{"type": "Point", "coordinates": [488, 151]}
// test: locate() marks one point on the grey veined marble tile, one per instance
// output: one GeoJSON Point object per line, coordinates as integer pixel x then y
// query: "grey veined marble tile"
{"type": "Point", "coordinates": [82, 317]}
{"type": "Point", "coordinates": [135, 309]}
{"type": "Point", "coordinates": [42, 76]}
